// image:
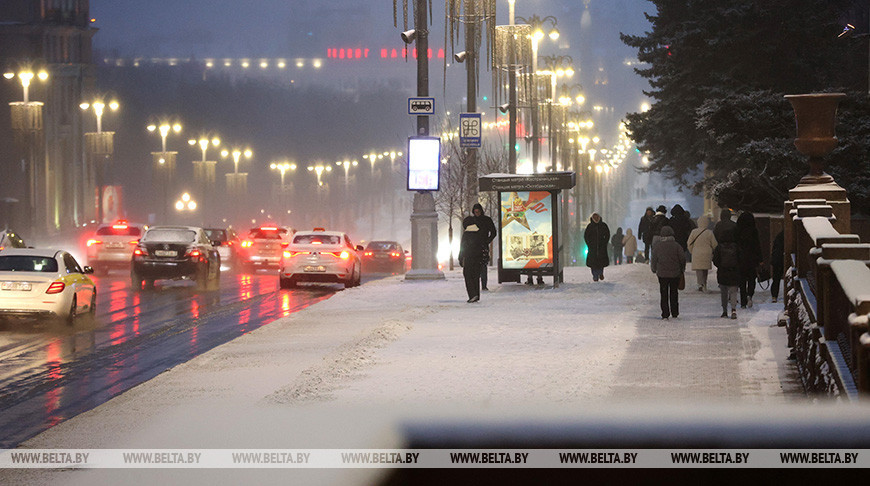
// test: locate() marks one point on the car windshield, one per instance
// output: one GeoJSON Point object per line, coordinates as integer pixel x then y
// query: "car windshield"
{"type": "Point", "coordinates": [381, 246]}
{"type": "Point", "coordinates": [267, 234]}
{"type": "Point", "coordinates": [119, 230]}
{"type": "Point", "coordinates": [170, 236]}
{"type": "Point", "coordinates": [216, 234]}
{"type": "Point", "coordinates": [317, 240]}
{"type": "Point", "coordinates": [27, 263]}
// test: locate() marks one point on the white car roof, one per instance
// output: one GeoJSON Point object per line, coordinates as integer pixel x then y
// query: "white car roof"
{"type": "Point", "coordinates": [43, 252]}
{"type": "Point", "coordinates": [327, 233]}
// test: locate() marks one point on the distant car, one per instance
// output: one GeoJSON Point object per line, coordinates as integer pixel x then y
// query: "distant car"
{"type": "Point", "coordinates": [227, 243]}
{"type": "Point", "coordinates": [11, 239]}
{"type": "Point", "coordinates": [320, 256]}
{"type": "Point", "coordinates": [45, 283]}
{"type": "Point", "coordinates": [384, 256]}
{"type": "Point", "coordinates": [112, 245]}
{"type": "Point", "coordinates": [262, 247]}
{"type": "Point", "coordinates": [175, 252]}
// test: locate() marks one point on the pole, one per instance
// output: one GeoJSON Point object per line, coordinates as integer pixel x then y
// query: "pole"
{"type": "Point", "coordinates": [471, 104]}
{"type": "Point", "coordinates": [536, 129]}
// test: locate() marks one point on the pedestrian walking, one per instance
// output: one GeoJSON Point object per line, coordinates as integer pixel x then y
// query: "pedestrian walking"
{"type": "Point", "coordinates": [487, 227]}
{"type": "Point", "coordinates": [777, 265]}
{"type": "Point", "coordinates": [726, 257]}
{"type": "Point", "coordinates": [668, 263]}
{"type": "Point", "coordinates": [597, 237]}
{"type": "Point", "coordinates": [659, 221]}
{"type": "Point", "coordinates": [746, 237]}
{"type": "Point", "coordinates": [644, 231]}
{"type": "Point", "coordinates": [629, 246]}
{"type": "Point", "coordinates": [725, 224]}
{"type": "Point", "coordinates": [701, 244]}
{"type": "Point", "coordinates": [616, 244]}
{"type": "Point", "coordinates": [471, 250]}
{"type": "Point", "coordinates": [681, 224]}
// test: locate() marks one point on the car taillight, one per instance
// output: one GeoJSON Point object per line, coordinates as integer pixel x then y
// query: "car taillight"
{"type": "Point", "coordinates": [194, 252]}
{"type": "Point", "coordinates": [134, 242]}
{"type": "Point", "coordinates": [291, 254]}
{"type": "Point", "coordinates": [394, 254]}
{"type": "Point", "coordinates": [55, 288]}
{"type": "Point", "coordinates": [285, 244]}
{"type": "Point", "coordinates": [344, 255]}
{"type": "Point", "coordinates": [93, 242]}
{"type": "Point", "coordinates": [247, 243]}
{"type": "Point", "coordinates": [139, 251]}
{"type": "Point", "coordinates": [368, 253]}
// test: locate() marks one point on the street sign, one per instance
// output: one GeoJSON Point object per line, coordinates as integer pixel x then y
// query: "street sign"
{"type": "Point", "coordinates": [469, 130]}
{"type": "Point", "coordinates": [421, 106]}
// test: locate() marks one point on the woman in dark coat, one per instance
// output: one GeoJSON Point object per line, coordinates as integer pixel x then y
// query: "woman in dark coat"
{"type": "Point", "coordinates": [681, 224]}
{"type": "Point", "coordinates": [597, 236]}
{"type": "Point", "coordinates": [746, 237]}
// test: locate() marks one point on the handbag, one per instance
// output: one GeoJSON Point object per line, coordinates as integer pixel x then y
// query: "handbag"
{"type": "Point", "coordinates": [682, 284]}
{"type": "Point", "coordinates": [763, 273]}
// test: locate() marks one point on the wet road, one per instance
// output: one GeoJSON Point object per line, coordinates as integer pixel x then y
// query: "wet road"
{"type": "Point", "coordinates": [51, 372]}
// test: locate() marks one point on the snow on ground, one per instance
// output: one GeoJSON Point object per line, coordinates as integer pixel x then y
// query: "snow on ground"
{"type": "Point", "coordinates": [331, 375]}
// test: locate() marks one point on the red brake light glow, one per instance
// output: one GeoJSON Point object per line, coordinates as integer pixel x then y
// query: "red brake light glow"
{"type": "Point", "coordinates": [368, 253]}
{"type": "Point", "coordinates": [94, 242]}
{"type": "Point", "coordinates": [316, 242]}
{"type": "Point", "coordinates": [119, 226]}
{"type": "Point", "coordinates": [269, 228]}
{"type": "Point", "coordinates": [247, 243]}
{"type": "Point", "coordinates": [139, 251]}
{"type": "Point", "coordinates": [55, 288]}
{"type": "Point", "coordinates": [194, 253]}
{"type": "Point", "coordinates": [134, 242]}
{"type": "Point", "coordinates": [285, 244]}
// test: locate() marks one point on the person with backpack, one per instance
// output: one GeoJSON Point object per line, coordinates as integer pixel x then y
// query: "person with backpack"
{"type": "Point", "coordinates": [726, 257]}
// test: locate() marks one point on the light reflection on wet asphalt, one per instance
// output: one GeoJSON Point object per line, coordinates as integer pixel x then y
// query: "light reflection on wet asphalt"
{"type": "Point", "coordinates": [50, 372]}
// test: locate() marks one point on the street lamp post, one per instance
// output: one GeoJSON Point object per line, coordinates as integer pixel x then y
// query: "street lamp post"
{"type": "Point", "coordinates": [511, 50]}
{"type": "Point", "coordinates": [99, 147]}
{"type": "Point", "coordinates": [204, 172]}
{"type": "Point", "coordinates": [27, 128]}
{"type": "Point", "coordinates": [538, 25]}
{"type": "Point", "coordinates": [164, 161]}
{"type": "Point", "coordinates": [185, 205]}
{"type": "Point", "coordinates": [237, 182]}
{"type": "Point", "coordinates": [283, 192]}
{"type": "Point", "coordinates": [319, 169]}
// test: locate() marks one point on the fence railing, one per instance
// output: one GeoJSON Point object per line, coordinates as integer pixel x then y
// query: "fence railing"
{"type": "Point", "coordinates": [827, 290]}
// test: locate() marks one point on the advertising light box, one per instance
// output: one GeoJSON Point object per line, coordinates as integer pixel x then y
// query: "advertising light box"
{"type": "Point", "coordinates": [424, 163]}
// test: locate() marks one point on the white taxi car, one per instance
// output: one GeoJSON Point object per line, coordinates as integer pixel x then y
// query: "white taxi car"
{"type": "Point", "coordinates": [44, 283]}
{"type": "Point", "coordinates": [112, 246]}
{"type": "Point", "coordinates": [320, 256]}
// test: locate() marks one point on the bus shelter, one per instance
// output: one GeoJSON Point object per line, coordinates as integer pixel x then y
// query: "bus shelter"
{"type": "Point", "coordinates": [530, 226]}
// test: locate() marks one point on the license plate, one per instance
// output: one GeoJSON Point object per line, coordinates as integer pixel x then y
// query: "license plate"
{"type": "Point", "coordinates": [114, 245]}
{"type": "Point", "coordinates": [165, 253]}
{"type": "Point", "coordinates": [314, 268]}
{"type": "Point", "coordinates": [16, 286]}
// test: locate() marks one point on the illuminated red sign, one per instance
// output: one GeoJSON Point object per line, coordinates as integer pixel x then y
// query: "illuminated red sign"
{"type": "Point", "coordinates": [386, 53]}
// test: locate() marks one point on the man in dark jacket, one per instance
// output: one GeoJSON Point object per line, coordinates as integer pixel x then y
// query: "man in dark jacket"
{"type": "Point", "coordinates": [726, 257]}
{"type": "Point", "coordinates": [487, 227]}
{"type": "Point", "coordinates": [644, 231]}
{"type": "Point", "coordinates": [597, 237]}
{"type": "Point", "coordinates": [724, 224]}
{"type": "Point", "coordinates": [668, 263]}
{"type": "Point", "coordinates": [471, 250]}
{"type": "Point", "coordinates": [681, 224]}
{"type": "Point", "coordinates": [746, 237]}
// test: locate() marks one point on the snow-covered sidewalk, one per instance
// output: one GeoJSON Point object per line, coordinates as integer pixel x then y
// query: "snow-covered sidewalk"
{"type": "Point", "coordinates": [394, 345]}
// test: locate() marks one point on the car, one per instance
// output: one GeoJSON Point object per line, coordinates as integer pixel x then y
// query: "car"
{"type": "Point", "coordinates": [227, 243]}
{"type": "Point", "coordinates": [45, 283]}
{"type": "Point", "coordinates": [112, 245]}
{"type": "Point", "coordinates": [10, 239]}
{"type": "Point", "coordinates": [320, 256]}
{"type": "Point", "coordinates": [384, 256]}
{"type": "Point", "coordinates": [175, 252]}
{"type": "Point", "coordinates": [262, 247]}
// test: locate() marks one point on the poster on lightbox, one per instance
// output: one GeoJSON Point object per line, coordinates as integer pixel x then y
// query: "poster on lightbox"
{"type": "Point", "coordinates": [526, 230]}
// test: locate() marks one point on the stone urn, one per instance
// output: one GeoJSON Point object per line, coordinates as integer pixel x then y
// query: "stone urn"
{"type": "Point", "coordinates": [815, 116]}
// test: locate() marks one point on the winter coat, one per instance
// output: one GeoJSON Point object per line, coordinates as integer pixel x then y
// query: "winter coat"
{"type": "Point", "coordinates": [668, 257]}
{"type": "Point", "coordinates": [701, 244]}
{"type": "Point", "coordinates": [474, 240]}
{"type": "Point", "coordinates": [726, 257]}
{"type": "Point", "coordinates": [746, 237]}
{"type": "Point", "coordinates": [724, 224]}
{"type": "Point", "coordinates": [681, 224]}
{"type": "Point", "coordinates": [597, 237]}
{"type": "Point", "coordinates": [644, 228]}
{"type": "Point", "coordinates": [616, 240]}
{"type": "Point", "coordinates": [629, 243]}
{"type": "Point", "coordinates": [658, 221]}
{"type": "Point", "coordinates": [777, 256]}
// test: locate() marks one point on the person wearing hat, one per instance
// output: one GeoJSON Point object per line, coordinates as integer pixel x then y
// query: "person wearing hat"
{"type": "Point", "coordinates": [668, 263]}
{"type": "Point", "coordinates": [597, 238]}
{"type": "Point", "coordinates": [659, 221]}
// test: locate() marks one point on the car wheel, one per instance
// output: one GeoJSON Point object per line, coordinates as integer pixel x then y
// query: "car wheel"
{"type": "Point", "coordinates": [73, 311]}
{"type": "Point", "coordinates": [202, 278]}
{"type": "Point", "coordinates": [351, 279]}
{"type": "Point", "coordinates": [135, 280]}
{"type": "Point", "coordinates": [215, 281]}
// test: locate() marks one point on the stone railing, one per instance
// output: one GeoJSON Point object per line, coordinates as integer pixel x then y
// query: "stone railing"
{"type": "Point", "coordinates": [827, 289]}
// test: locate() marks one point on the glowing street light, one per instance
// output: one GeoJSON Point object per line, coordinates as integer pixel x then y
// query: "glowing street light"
{"type": "Point", "coordinates": [99, 106]}
{"type": "Point", "coordinates": [282, 168]}
{"type": "Point", "coordinates": [164, 129]}
{"type": "Point", "coordinates": [186, 203]}
{"type": "Point", "coordinates": [25, 77]}
{"type": "Point", "coordinates": [204, 143]}
{"type": "Point", "coordinates": [319, 170]}
{"type": "Point", "coordinates": [237, 155]}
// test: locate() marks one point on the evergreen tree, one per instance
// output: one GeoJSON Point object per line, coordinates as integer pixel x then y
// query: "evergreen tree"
{"type": "Point", "coordinates": [718, 72]}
